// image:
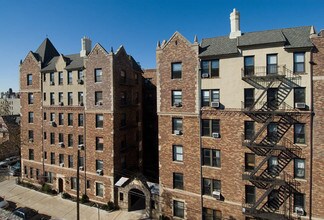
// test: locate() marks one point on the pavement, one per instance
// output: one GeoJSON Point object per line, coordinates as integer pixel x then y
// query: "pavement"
{"type": "Point", "coordinates": [58, 208]}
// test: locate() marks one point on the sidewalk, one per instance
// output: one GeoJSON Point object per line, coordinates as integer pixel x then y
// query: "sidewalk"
{"type": "Point", "coordinates": [55, 206]}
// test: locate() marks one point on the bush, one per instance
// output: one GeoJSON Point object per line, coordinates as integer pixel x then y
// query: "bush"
{"type": "Point", "coordinates": [84, 198]}
{"type": "Point", "coordinates": [66, 196]}
{"type": "Point", "coordinates": [47, 188]}
{"type": "Point", "coordinates": [111, 205]}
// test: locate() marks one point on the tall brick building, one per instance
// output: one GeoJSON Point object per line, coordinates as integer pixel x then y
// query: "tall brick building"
{"type": "Point", "coordinates": [240, 122]}
{"type": "Point", "coordinates": [89, 102]}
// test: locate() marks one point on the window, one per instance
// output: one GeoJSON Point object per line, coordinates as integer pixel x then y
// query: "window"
{"type": "Point", "coordinates": [272, 98]}
{"type": "Point", "coordinates": [70, 158]}
{"type": "Point", "coordinates": [44, 77]}
{"type": "Point", "coordinates": [249, 194]}
{"type": "Point", "coordinates": [61, 137]}
{"type": "Point", "coordinates": [98, 75]}
{"type": "Point", "coordinates": [123, 142]}
{"type": "Point", "coordinates": [272, 67]}
{"type": "Point", "coordinates": [248, 98]}
{"type": "Point", "coordinates": [177, 98]}
{"type": "Point", "coordinates": [80, 139]}
{"type": "Point", "coordinates": [123, 99]}
{"type": "Point", "coordinates": [80, 98]}
{"type": "Point", "coordinates": [81, 162]}
{"type": "Point", "coordinates": [70, 140]}
{"type": "Point", "coordinates": [30, 117]}
{"type": "Point", "coordinates": [88, 184]}
{"type": "Point", "coordinates": [61, 158]}
{"type": "Point", "coordinates": [177, 125]}
{"type": "Point", "coordinates": [177, 180]}
{"type": "Point", "coordinates": [31, 171]}
{"type": "Point", "coordinates": [211, 158]}
{"type": "Point", "coordinates": [176, 70]}
{"type": "Point", "coordinates": [44, 96]}
{"type": "Point", "coordinates": [209, 68]}
{"type": "Point", "coordinates": [299, 168]}
{"type": "Point", "coordinates": [70, 119]}
{"type": "Point", "coordinates": [60, 79]}
{"type": "Point", "coordinates": [70, 98]}
{"type": "Point", "coordinates": [37, 174]}
{"type": "Point", "coordinates": [52, 99]}
{"type": "Point", "coordinates": [30, 98]}
{"type": "Point", "coordinates": [80, 120]}
{"type": "Point", "coordinates": [45, 155]}
{"type": "Point", "coordinates": [248, 65]}
{"type": "Point", "coordinates": [210, 186]}
{"type": "Point", "coordinates": [299, 62]}
{"type": "Point", "coordinates": [177, 153]}
{"type": "Point", "coordinates": [29, 79]}
{"type": "Point", "coordinates": [52, 116]}
{"type": "Point", "coordinates": [299, 200]}
{"type": "Point", "coordinates": [52, 79]}
{"type": "Point", "coordinates": [98, 98]}
{"type": "Point", "coordinates": [99, 165]}
{"type": "Point", "coordinates": [272, 131]}
{"type": "Point", "coordinates": [52, 138]}
{"type": "Point", "coordinates": [249, 161]}
{"type": "Point", "coordinates": [25, 171]}
{"type": "Point", "coordinates": [272, 165]}
{"type": "Point", "coordinates": [99, 120]}
{"type": "Point", "coordinates": [73, 182]}
{"type": "Point", "coordinates": [299, 96]}
{"type": "Point", "coordinates": [99, 143]}
{"type": "Point", "coordinates": [299, 134]}
{"type": "Point", "coordinates": [208, 96]}
{"type": "Point", "coordinates": [31, 136]}
{"type": "Point", "coordinates": [122, 76]}
{"type": "Point", "coordinates": [99, 189]}
{"type": "Point", "coordinates": [248, 130]}
{"type": "Point", "coordinates": [70, 78]}
{"type": "Point", "coordinates": [123, 120]}
{"type": "Point", "coordinates": [80, 75]}
{"type": "Point", "coordinates": [31, 154]}
{"type": "Point", "coordinates": [211, 214]}
{"type": "Point", "coordinates": [52, 158]}
{"type": "Point", "coordinates": [274, 199]}
{"type": "Point", "coordinates": [210, 127]}
{"type": "Point", "coordinates": [61, 118]}
{"type": "Point", "coordinates": [45, 135]}
{"type": "Point", "coordinates": [178, 209]}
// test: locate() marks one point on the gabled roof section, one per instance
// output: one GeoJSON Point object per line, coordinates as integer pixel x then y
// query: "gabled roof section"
{"type": "Point", "coordinates": [173, 36]}
{"type": "Point", "coordinates": [73, 62]}
{"type": "Point", "coordinates": [262, 37]}
{"type": "Point", "coordinates": [136, 66]}
{"type": "Point", "coordinates": [218, 46]}
{"type": "Point", "coordinates": [298, 37]}
{"type": "Point", "coordinates": [99, 47]}
{"type": "Point", "coordinates": [46, 51]}
{"type": "Point", "coordinates": [120, 49]}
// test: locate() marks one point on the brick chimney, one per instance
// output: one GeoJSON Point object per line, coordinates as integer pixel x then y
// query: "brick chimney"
{"type": "Point", "coordinates": [235, 24]}
{"type": "Point", "coordinates": [85, 46]}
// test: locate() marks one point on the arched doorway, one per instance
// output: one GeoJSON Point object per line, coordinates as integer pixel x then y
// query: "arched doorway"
{"type": "Point", "coordinates": [60, 185]}
{"type": "Point", "coordinates": [136, 200]}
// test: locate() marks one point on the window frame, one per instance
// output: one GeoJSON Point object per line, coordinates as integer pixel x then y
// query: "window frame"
{"type": "Point", "coordinates": [178, 208]}
{"type": "Point", "coordinates": [99, 120]}
{"type": "Point", "coordinates": [99, 189]}
{"type": "Point", "coordinates": [299, 172]}
{"type": "Point", "coordinates": [299, 138]}
{"type": "Point", "coordinates": [99, 144]}
{"type": "Point", "coordinates": [211, 157]}
{"type": "Point", "coordinates": [213, 127]}
{"type": "Point", "coordinates": [177, 156]}
{"type": "Point", "coordinates": [178, 182]}
{"type": "Point", "coordinates": [210, 185]}
{"type": "Point", "coordinates": [298, 63]}
{"type": "Point", "coordinates": [213, 72]}
{"type": "Point", "coordinates": [98, 75]}
{"type": "Point", "coordinates": [249, 159]}
{"type": "Point", "coordinates": [176, 74]}
{"type": "Point", "coordinates": [177, 124]}
{"type": "Point", "coordinates": [213, 96]}
{"type": "Point", "coordinates": [249, 194]}
{"type": "Point", "coordinates": [176, 98]}
{"type": "Point", "coordinates": [29, 79]}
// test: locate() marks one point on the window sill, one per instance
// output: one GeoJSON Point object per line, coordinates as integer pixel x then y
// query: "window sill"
{"type": "Point", "coordinates": [177, 162]}
{"type": "Point", "coordinates": [301, 145]}
{"type": "Point", "coordinates": [216, 168]}
{"type": "Point", "coordinates": [300, 179]}
{"type": "Point", "coordinates": [300, 73]}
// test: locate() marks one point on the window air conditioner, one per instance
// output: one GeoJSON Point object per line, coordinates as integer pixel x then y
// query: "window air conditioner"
{"type": "Point", "coordinates": [300, 211]}
{"type": "Point", "coordinates": [31, 140]}
{"type": "Point", "coordinates": [61, 144]}
{"type": "Point", "coordinates": [177, 132]}
{"type": "Point", "coordinates": [81, 146]}
{"type": "Point", "coordinates": [215, 135]}
{"type": "Point", "coordinates": [205, 75]}
{"type": "Point", "coordinates": [52, 123]}
{"type": "Point", "coordinates": [100, 172]}
{"type": "Point", "coordinates": [177, 104]}
{"type": "Point", "coordinates": [99, 103]}
{"type": "Point", "coordinates": [61, 103]}
{"type": "Point", "coordinates": [300, 105]}
{"type": "Point", "coordinates": [81, 104]}
{"type": "Point", "coordinates": [214, 104]}
{"type": "Point", "coordinates": [52, 83]}
{"type": "Point", "coordinates": [80, 81]}
{"type": "Point", "coordinates": [217, 194]}
{"type": "Point", "coordinates": [81, 168]}
{"type": "Point", "coordinates": [61, 164]}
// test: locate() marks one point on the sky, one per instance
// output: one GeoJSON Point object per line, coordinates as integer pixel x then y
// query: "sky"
{"type": "Point", "coordinates": [135, 24]}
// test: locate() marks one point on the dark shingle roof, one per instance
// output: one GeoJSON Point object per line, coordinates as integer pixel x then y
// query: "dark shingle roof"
{"type": "Point", "coordinates": [46, 51]}
{"type": "Point", "coordinates": [298, 37]}
{"type": "Point", "coordinates": [73, 61]}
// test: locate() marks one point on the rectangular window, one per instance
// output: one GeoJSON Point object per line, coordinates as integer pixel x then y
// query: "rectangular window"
{"type": "Point", "coordinates": [208, 96]}
{"type": "Point", "coordinates": [30, 98]}
{"type": "Point", "coordinates": [248, 130]}
{"type": "Point", "coordinates": [61, 118]}
{"type": "Point", "coordinates": [99, 143]}
{"type": "Point", "coordinates": [80, 98]}
{"type": "Point", "coordinates": [177, 153]}
{"type": "Point", "coordinates": [299, 168]}
{"type": "Point", "coordinates": [99, 189]}
{"type": "Point", "coordinates": [299, 97]}
{"type": "Point", "coordinates": [248, 65]}
{"type": "Point", "coordinates": [29, 79]}
{"type": "Point", "coordinates": [123, 98]}
{"type": "Point", "coordinates": [211, 127]}
{"type": "Point", "coordinates": [52, 98]}
{"type": "Point", "coordinates": [211, 158]}
{"type": "Point", "coordinates": [177, 180]}
{"type": "Point", "coordinates": [45, 135]}
{"type": "Point", "coordinates": [30, 136]}
{"type": "Point", "coordinates": [249, 194]}
{"type": "Point", "coordinates": [299, 134]}
{"type": "Point", "coordinates": [299, 62]}
{"type": "Point", "coordinates": [99, 120]}
{"type": "Point", "coordinates": [299, 200]}
{"type": "Point", "coordinates": [70, 98]}
{"type": "Point", "coordinates": [52, 116]}
{"type": "Point", "coordinates": [31, 171]}
{"type": "Point", "coordinates": [52, 79]}
{"type": "Point", "coordinates": [30, 117]}
{"type": "Point", "coordinates": [176, 98]}
{"type": "Point", "coordinates": [272, 66]}
{"type": "Point", "coordinates": [211, 214]}
{"type": "Point", "coordinates": [272, 130]}
{"type": "Point", "coordinates": [80, 75]}
{"type": "Point", "coordinates": [177, 125]}
{"type": "Point", "coordinates": [272, 165]}
{"type": "Point", "coordinates": [99, 165]}
{"type": "Point", "coordinates": [52, 138]}
{"type": "Point", "coordinates": [44, 96]}
{"type": "Point", "coordinates": [37, 174]}
{"type": "Point", "coordinates": [61, 158]}
{"type": "Point", "coordinates": [70, 119]}
{"type": "Point", "coordinates": [73, 182]}
{"type": "Point", "coordinates": [248, 98]}
{"type": "Point", "coordinates": [178, 209]}
{"type": "Point", "coordinates": [70, 78]}
{"type": "Point", "coordinates": [98, 98]}
{"type": "Point", "coordinates": [80, 120]}
{"type": "Point", "coordinates": [80, 139]}
{"type": "Point", "coordinates": [70, 158]}
{"type": "Point", "coordinates": [31, 154]}
{"type": "Point", "coordinates": [211, 185]}
{"type": "Point", "coordinates": [45, 155]}
{"type": "Point", "coordinates": [61, 137]}
{"type": "Point", "coordinates": [70, 140]}
{"type": "Point", "coordinates": [81, 162]}
{"type": "Point", "coordinates": [122, 76]}
{"type": "Point", "coordinates": [209, 68]}
{"type": "Point", "coordinates": [88, 184]}
{"type": "Point", "coordinates": [60, 78]}
{"type": "Point", "coordinates": [60, 98]}
{"type": "Point", "coordinates": [249, 161]}
{"type": "Point", "coordinates": [176, 70]}
{"type": "Point", "coordinates": [98, 75]}
{"type": "Point", "coordinates": [123, 120]}
{"type": "Point", "coordinates": [52, 158]}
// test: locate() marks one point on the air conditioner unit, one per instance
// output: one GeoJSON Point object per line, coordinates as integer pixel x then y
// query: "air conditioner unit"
{"type": "Point", "coordinates": [31, 140]}
{"type": "Point", "coordinates": [214, 104]}
{"type": "Point", "coordinates": [61, 164]}
{"type": "Point", "coordinates": [81, 168]}
{"type": "Point", "coordinates": [80, 81]}
{"type": "Point", "coordinates": [52, 83]}
{"type": "Point", "coordinates": [215, 135]}
{"type": "Point", "coordinates": [301, 105]}
{"type": "Point", "coordinates": [61, 144]}
{"type": "Point", "coordinates": [81, 104]}
{"type": "Point", "coordinates": [61, 103]}
{"type": "Point", "coordinates": [300, 211]}
{"type": "Point", "coordinates": [52, 123]}
{"type": "Point", "coordinates": [100, 172]}
{"type": "Point", "coordinates": [177, 104]}
{"type": "Point", "coordinates": [81, 146]}
{"type": "Point", "coordinates": [177, 132]}
{"type": "Point", "coordinates": [205, 75]}
{"type": "Point", "coordinates": [99, 103]}
{"type": "Point", "coordinates": [216, 194]}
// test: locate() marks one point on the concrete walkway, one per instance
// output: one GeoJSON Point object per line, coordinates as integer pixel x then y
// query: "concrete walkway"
{"type": "Point", "coordinates": [56, 207]}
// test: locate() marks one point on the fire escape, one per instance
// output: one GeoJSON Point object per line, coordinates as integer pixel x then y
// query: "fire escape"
{"type": "Point", "coordinates": [275, 117]}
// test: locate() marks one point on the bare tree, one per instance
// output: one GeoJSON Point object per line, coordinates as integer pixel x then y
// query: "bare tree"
{"type": "Point", "coordinates": [4, 107]}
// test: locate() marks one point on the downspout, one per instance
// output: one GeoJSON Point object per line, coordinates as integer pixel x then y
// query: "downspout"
{"type": "Point", "coordinates": [311, 137]}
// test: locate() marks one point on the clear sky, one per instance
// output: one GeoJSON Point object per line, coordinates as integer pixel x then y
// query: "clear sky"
{"type": "Point", "coordinates": [136, 24]}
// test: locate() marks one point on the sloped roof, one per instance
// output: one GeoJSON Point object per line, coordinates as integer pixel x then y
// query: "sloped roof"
{"type": "Point", "coordinates": [298, 37]}
{"type": "Point", "coordinates": [46, 51]}
{"type": "Point", "coordinates": [74, 61]}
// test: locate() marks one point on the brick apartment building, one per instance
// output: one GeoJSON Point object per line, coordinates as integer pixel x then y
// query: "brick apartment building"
{"type": "Point", "coordinates": [240, 121]}
{"type": "Point", "coordinates": [89, 102]}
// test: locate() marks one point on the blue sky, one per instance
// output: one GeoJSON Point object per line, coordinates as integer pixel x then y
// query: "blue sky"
{"type": "Point", "coordinates": [136, 24]}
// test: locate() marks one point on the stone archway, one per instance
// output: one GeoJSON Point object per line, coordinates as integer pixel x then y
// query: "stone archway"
{"type": "Point", "coordinates": [136, 200]}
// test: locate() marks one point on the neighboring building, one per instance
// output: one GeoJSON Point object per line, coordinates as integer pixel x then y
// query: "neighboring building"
{"type": "Point", "coordinates": [237, 133]}
{"type": "Point", "coordinates": [89, 103]}
{"type": "Point", "coordinates": [9, 103]}
{"type": "Point", "coordinates": [9, 136]}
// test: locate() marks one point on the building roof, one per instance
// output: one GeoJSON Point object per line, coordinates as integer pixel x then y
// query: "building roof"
{"type": "Point", "coordinates": [73, 61]}
{"type": "Point", "coordinates": [46, 51]}
{"type": "Point", "coordinates": [298, 37]}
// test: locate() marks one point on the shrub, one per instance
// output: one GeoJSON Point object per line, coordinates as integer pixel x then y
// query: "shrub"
{"type": "Point", "coordinates": [66, 196]}
{"type": "Point", "coordinates": [110, 205]}
{"type": "Point", "coordinates": [84, 198]}
{"type": "Point", "coordinates": [47, 188]}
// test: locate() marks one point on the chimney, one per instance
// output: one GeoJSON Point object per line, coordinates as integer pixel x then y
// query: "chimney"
{"type": "Point", "coordinates": [235, 24]}
{"type": "Point", "coordinates": [85, 46]}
